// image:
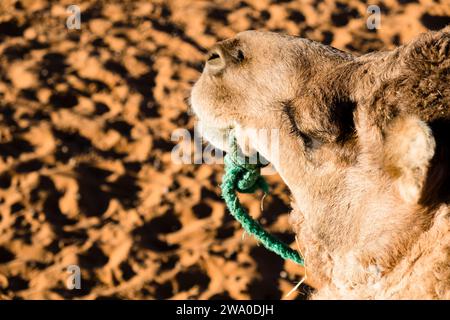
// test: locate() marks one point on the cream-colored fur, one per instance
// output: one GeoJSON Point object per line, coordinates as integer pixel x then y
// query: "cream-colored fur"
{"type": "Point", "coordinates": [362, 146]}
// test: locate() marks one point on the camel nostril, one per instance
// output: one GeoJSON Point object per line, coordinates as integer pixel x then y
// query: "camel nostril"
{"type": "Point", "coordinates": [213, 56]}
{"type": "Point", "coordinates": [215, 60]}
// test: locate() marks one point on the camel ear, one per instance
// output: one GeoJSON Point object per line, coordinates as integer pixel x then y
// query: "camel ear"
{"type": "Point", "coordinates": [408, 149]}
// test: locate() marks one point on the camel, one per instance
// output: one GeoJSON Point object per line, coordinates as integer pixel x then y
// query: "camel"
{"type": "Point", "coordinates": [363, 147]}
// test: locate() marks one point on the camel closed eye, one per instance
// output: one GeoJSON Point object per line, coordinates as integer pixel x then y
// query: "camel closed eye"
{"type": "Point", "coordinates": [294, 130]}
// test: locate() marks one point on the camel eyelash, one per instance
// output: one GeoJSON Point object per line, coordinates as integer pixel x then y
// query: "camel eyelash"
{"type": "Point", "coordinates": [293, 128]}
{"type": "Point", "coordinates": [287, 112]}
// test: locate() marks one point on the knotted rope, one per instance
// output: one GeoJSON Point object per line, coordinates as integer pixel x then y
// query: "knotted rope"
{"type": "Point", "coordinates": [244, 177]}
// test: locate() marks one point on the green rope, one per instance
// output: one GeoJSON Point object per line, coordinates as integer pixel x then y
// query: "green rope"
{"type": "Point", "coordinates": [241, 176]}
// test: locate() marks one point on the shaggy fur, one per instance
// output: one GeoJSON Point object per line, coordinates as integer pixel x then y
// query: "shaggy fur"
{"type": "Point", "coordinates": [363, 146]}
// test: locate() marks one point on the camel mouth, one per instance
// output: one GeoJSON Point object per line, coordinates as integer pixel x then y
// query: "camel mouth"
{"type": "Point", "coordinates": [218, 136]}
{"type": "Point", "coordinates": [246, 152]}
{"type": "Point", "coordinates": [224, 137]}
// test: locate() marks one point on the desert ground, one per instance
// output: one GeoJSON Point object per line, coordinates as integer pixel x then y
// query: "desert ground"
{"type": "Point", "coordinates": [86, 120]}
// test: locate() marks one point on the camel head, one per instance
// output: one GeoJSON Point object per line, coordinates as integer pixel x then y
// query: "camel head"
{"type": "Point", "coordinates": [356, 164]}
